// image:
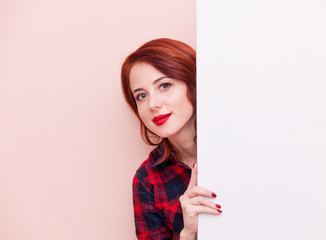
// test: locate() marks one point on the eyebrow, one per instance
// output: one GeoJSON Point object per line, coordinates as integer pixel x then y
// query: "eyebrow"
{"type": "Point", "coordinates": [154, 82]}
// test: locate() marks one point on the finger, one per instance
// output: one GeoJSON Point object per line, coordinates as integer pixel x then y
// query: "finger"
{"type": "Point", "coordinates": [193, 178]}
{"type": "Point", "coordinates": [204, 202]}
{"type": "Point", "coordinates": [200, 191]}
{"type": "Point", "coordinates": [204, 209]}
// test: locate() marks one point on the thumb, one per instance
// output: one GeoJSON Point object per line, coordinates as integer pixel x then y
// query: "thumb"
{"type": "Point", "coordinates": [193, 178]}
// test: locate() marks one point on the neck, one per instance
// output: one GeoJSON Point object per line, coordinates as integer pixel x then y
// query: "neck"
{"type": "Point", "coordinates": [187, 152]}
{"type": "Point", "coordinates": [186, 147]}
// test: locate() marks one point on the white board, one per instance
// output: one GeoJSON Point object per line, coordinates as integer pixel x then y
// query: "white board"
{"type": "Point", "coordinates": [262, 118]}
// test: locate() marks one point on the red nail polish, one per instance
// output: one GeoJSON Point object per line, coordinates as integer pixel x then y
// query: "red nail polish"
{"type": "Point", "coordinates": [194, 165]}
{"type": "Point", "coordinates": [218, 206]}
{"type": "Point", "coordinates": [213, 195]}
{"type": "Point", "coordinates": [219, 210]}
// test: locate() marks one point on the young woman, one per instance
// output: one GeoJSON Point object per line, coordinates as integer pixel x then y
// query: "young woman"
{"type": "Point", "coordinates": [159, 85]}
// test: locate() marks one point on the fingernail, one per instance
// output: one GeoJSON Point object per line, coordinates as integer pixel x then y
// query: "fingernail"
{"type": "Point", "coordinates": [218, 206]}
{"type": "Point", "coordinates": [194, 165]}
{"type": "Point", "coordinates": [219, 210]}
{"type": "Point", "coordinates": [213, 195]}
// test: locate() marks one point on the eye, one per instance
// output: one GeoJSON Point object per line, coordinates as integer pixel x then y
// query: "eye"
{"type": "Point", "coordinates": [140, 96]}
{"type": "Point", "coordinates": [165, 85]}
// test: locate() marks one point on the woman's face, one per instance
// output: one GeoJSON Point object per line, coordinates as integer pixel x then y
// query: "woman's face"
{"type": "Point", "coordinates": [162, 102]}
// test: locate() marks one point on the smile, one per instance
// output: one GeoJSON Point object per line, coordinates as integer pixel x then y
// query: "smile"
{"type": "Point", "coordinates": [161, 119]}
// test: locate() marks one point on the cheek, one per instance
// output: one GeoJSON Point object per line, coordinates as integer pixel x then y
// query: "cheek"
{"type": "Point", "coordinates": [142, 113]}
{"type": "Point", "coordinates": [181, 101]}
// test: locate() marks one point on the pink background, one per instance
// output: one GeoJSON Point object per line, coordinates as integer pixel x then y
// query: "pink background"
{"type": "Point", "coordinates": [69, 145]}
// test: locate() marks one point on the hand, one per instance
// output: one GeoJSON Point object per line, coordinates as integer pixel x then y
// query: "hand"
{"type": "Point", "coordinates": [193, 202]}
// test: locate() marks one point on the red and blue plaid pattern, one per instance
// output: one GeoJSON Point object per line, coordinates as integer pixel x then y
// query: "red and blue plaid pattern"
{"type": "Point", "coordinates": [157, 186]}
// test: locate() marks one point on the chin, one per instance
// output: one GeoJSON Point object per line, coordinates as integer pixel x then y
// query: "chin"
{"type": "Point", "coordinates": [166, 131]}
{"type": "Point", "coordinates": [165, 134]}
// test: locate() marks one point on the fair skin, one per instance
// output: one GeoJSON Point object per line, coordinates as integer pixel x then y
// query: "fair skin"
{"type": "Point", "coordinates": [157, 95]}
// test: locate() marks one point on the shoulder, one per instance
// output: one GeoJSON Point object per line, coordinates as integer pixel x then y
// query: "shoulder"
{"type": "Point", "coordinates": [145, 172]}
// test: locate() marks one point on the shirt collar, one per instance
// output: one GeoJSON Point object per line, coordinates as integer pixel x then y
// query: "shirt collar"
{"type": "Point", "coordinates": [158, 153]}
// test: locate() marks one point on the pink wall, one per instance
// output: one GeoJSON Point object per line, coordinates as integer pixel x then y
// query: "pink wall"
{"type": "Point", "coordinates": [69, 146]}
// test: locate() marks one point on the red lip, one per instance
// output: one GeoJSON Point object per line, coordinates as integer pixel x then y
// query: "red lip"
{"type": "Point", "coordinates": [161, 119]}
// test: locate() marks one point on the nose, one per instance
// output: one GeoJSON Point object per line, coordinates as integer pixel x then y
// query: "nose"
{"type": "Point", "coordinates": [155, 102]}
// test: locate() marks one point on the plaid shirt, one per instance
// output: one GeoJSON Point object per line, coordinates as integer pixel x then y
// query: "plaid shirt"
{"type": "Point", "coordinates": [157, 186]}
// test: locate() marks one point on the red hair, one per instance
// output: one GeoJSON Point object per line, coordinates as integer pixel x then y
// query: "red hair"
{"type": "Point", "coordinates": [175, 60]}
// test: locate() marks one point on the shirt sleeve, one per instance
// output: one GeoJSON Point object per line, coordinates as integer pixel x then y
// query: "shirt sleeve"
{"type": "Point", "coordinates": [149, 224]}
